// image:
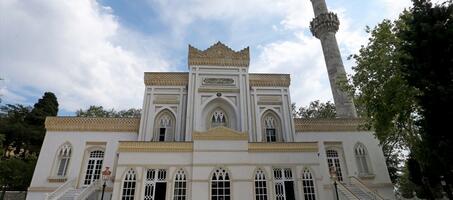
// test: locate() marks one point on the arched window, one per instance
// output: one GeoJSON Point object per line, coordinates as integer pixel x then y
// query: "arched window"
{"type": "Point", "coordinates": [164, 126]}
{"type": "Point", "coordinates": [308, 185]}
{"type": "Point", "coordinates": [94, 166]}
{"type": "Point", "coordinates": [361, 156]}
{"type": "Point", "coordinates": [260, 185]}
{"type": "Point", "coordinates": [220, 185]}
{"type": "Point", "coordinates": [129, 182]}
{"type": "Point", "coordinates": [333, 162]}
{"type": "Point", "coordinates": [63, 157]}
{"type": "Point", "coordinates": [180, 190]}
{"type": "Point", "coordinates": [271, 127]}
{"type": "Point", "coordinates": [218, 118]}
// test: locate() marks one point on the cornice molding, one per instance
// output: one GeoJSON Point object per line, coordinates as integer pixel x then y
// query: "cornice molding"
{"type": "Point", "coordinates": [219, 55]}
{"type": "Point", "coordinates": [167, 78]}
{"type": "Point", "coordinates": [224, 90]}
{"type": "Point", "coordinates": [138, 146]}
{"type": "Point", "coordinates": [92, 124]}
{"type": "Point", "coordinates": [269, 80]}
{"type": "Point", "coordinates": [41, 189]}
{"type": "Point", "coordinates": [57, 179]}
{"type": "Point", "coordinates": [283, 147]}
{"type": "Point", "coordinates": [329, 125]}
{"type": "Point", "coordinates": [220, 133]}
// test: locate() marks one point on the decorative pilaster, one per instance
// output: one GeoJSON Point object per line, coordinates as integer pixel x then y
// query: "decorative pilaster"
{"type": "Point", "coordinates": [324, 26]}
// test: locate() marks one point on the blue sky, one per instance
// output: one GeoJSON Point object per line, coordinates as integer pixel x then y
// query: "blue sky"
{"type": "Point", "coordinates": [95, 52]}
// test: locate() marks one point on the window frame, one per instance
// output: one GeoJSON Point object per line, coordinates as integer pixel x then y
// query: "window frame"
{"type": "Point", "coordinates": [275, 124]}
{"type": "Point", "coordinates": [307, 179]}
{"type": "Point", "coordinates": [181, 178]}
{"type": "Point", "coordinates": [264, 187]}
{"type": "Point", "coordinates": [133, 183]}
{"type": "Point", "coordinates": [64, 151]}
{"type": "Point", "coordinates": [226, 179]}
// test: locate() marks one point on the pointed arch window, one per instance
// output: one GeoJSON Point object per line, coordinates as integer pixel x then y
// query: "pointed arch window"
{"type": "Point", "coordinates": [180, 190]}
{"type": "Point", "coordinates": [308, 185]}
{"type": "Point", "coordinates": [63, 157]}
{"type": "Point", "coordinates": [129, 183]}
{"type": "Point", "coordinates": [260, 185]}
{"type": "Point", "coordinates": [218, 118]}
{"type": "Point", "coordinates": [164, 126]}
{"type": "Point", "coordinates": [271, 127]}
{"type": "Point", "coordinates": [333, 162]}
{"type": "Point", "coordinates": [361, 156]}
{"type": "Point", "coordinates": [220, 185]}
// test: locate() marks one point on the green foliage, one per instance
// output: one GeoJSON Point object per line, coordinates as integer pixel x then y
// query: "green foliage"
{"type": "Point", "coordinates": [99, 111]}
{"type": "Point", "coordinates": [316, 110]}
{"type": "Point", "coordinates": [17, 173]}
{"type": "Point", "coordinates": [404, 82]}
{"type": "Point", "coordinates": [46, 106]}
{"type": "Point", "coordinates": [22, 131]}
{"type": "Point", "coordinates": [426, 63]}
{"type": "Point", "coordinates": [13, 125]}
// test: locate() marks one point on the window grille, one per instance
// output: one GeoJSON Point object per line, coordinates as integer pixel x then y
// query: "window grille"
{"type": "Point", "coordinates": [155, 184]}
{"type": "Point", "coordinates": [333, 161]}
{"type": "Point", "coordinates": [180, 190]}
{"type": "Point", "coordinates": [64, 155]}
{"type": "Point", "coordinates": [129, 182]}
{"type": "Point", "coordinates": [220, 185]}
{"type": "Point", "coordinates": [94, 167]}
{"type": "Point", "coordinates": [260, 185]}
{"type": "Point", "coordinates": [361, 158]}
{"type": "Point", "coordinates": [308, 185]}
{"type": "Point", "coordinates": [284, 184]}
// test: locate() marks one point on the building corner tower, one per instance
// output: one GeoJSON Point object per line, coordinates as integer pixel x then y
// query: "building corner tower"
{"type": "Point", "coordinates": [324, 26]}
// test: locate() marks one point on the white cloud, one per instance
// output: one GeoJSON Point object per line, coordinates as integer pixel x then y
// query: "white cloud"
{"type": "Point", "coordinates": [68, 47]}
{"type": "Point", "coordinates": [303, 59]}
{"type": "Point", "coordinates": [395, 7]}
{"type": "Point", "coordinates": [80, 51]}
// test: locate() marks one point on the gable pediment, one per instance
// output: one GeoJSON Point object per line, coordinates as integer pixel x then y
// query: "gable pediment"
{"type": "Point", "coordinates": [220, 133]}
{"type": "Point", "coordinates": [219, 55]}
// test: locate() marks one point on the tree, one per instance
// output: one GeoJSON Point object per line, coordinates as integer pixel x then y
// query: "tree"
{"type": "Point", "coordinates": [23, 128]}
{"type": "Point", "coordinates": [403, 80]}
{"type": "Point", "coordinates": [46, 106]}
{"type": "Point", "coordinates": [316, 109]}
{"type": "Point", "coordinates": [426, 63]}
{"type": "Point", "coordinates": [99, 111]}
{"type": "Point", "coordinates": [13, 125]}
{"type": "Point", "coordinates": [17, 173]}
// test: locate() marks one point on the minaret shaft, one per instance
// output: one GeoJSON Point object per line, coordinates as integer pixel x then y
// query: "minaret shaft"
{"type": "Point", "coordinates": [324, 26]}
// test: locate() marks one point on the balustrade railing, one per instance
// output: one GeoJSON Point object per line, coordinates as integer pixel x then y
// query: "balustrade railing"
{"type": "Point", "coordinates": [61, 190]}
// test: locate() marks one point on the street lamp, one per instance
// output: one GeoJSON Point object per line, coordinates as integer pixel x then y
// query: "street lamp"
{"type": "Point", "coordinates": [334, 178]}
{"type": "Point", "coordinates": [105, 177]}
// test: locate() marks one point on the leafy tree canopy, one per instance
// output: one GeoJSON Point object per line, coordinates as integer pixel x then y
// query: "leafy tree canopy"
{"type": "Point", "coordinates": [404, 81]}
{"type": "Point", "coordinates": [99, 111]}
{"type": "Point", "coordinates": [316, 109]}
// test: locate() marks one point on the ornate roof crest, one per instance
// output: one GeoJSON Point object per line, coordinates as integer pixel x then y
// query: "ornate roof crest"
{"type": "Point", "coordinates": [219, 55]}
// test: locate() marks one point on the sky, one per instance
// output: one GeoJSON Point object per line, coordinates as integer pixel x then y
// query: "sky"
{"type": "Point", "coordinates": [92, 52]}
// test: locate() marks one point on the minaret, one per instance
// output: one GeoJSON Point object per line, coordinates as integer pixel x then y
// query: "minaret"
{"type": "Point", "coordinates": [324, 26]}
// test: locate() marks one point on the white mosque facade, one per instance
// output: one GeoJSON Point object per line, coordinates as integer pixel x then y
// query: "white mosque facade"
{"type": "Point", "coordinates": [215, 132]}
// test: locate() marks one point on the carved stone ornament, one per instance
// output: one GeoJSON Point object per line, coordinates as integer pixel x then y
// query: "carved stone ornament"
{"type": "Point", "coordinates": [218, 81]}
{"type": "Point", "coordinates": [323, 23]}
{"type": "Point", "coordinates": [219, 55]}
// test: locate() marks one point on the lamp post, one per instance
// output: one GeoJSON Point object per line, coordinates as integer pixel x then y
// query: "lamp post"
{"type": "Point", "coordinates": [105, 177]}
{"type": "Point", "coordinates": [334, 178]}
